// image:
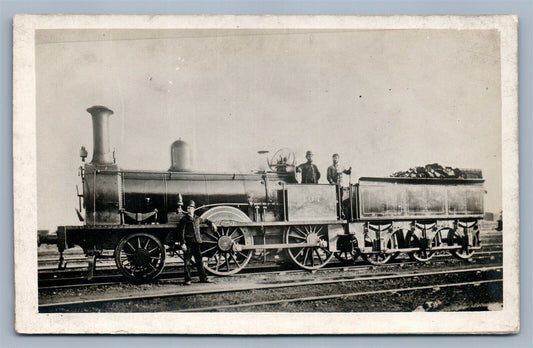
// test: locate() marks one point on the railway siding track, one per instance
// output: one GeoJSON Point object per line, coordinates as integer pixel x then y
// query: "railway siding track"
{"type": "Point", "coordinates": [111, 277]}
{"type": "Point", "coordinates": [285, 289]}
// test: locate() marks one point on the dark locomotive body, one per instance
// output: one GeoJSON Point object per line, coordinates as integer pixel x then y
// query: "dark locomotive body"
{"type": "Point", "coordinates": [135, 213]}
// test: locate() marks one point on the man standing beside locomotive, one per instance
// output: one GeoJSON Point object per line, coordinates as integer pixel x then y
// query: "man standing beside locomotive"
{"type": "Point", "coordinates": [190, 239]}
{"type": "Point", "coordinates": [334, 176]}
{"type": "Point", "coordinates": [310, 172]}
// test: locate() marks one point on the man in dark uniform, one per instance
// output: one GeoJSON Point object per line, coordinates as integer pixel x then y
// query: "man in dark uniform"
{"type": "Point", "coordinates": [310, 172]}
{"type": "Point", "coordinates": [190, 239]}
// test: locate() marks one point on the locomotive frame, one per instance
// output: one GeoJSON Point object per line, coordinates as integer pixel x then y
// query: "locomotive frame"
{"type": "Point", "coordinates": [135, 214]}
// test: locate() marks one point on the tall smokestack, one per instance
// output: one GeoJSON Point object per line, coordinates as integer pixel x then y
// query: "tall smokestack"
{"type": "Point", "coordinates": [101, 150]}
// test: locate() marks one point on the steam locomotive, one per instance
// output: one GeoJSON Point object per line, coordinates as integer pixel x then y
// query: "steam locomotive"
{"type": "Point", "coordinates": [135, 213]}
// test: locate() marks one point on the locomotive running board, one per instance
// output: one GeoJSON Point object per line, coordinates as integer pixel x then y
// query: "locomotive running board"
{"type": "Point", "coordinates": [231, 223]}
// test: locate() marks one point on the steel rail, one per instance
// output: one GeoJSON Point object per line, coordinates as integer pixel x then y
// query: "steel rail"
{"type": "Point", "coordinates": [334, 296]}
{"type": "Point", "coordinates": [267, 286]}
{"type": "Point", "coordinates": [251, 272]}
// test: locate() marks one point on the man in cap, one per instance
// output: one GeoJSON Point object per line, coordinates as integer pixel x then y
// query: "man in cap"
{"type": "Point", "coordinates": [310, 172]}
{"type": "Point", "coordinates": [190, 239]}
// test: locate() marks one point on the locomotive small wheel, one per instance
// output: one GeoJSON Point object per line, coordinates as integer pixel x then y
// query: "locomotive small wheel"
{"type": "Point", "coordinates": [310, 258]}
{"type": "Point", "coordinates": [456, 238]}
{"type": "Point", "coordinates": [377, 258]}
{"type": "Point", "coordinates": [140, 256]}
{"type": "Point", "coordinates": [422, 255]}
{"type": "Point", "coordinates": [348, 257]}
{"type": "Point", "coordinates": [222, 247]}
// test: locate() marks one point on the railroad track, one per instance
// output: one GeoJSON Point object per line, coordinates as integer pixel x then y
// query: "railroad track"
{"type": "Point", "coordinates": [276, 292]}
{"type": "Point", "coordinates": [79, 262]}
{"type": "Point", "coordinates": [175, 272]}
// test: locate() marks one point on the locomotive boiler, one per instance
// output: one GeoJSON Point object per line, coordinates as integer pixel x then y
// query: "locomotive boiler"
{"type": "Point", "coordinates": [134, 214]}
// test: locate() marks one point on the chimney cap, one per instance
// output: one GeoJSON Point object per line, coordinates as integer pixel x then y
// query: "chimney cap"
{"type": "Point", "coordinates": [99, 108]}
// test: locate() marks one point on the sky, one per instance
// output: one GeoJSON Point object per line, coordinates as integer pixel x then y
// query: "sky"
{"type": "Point", "coordinates": [385, 100]}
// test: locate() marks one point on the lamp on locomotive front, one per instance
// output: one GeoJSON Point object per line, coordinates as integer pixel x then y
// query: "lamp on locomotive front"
{"type": "Point", "coordinates": [181, 158]}
{"type": "Point", "coordinates": [102, 154]}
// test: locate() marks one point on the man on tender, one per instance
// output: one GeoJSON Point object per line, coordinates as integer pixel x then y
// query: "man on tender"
{"type": "Point", "coordinates": [190, 239]}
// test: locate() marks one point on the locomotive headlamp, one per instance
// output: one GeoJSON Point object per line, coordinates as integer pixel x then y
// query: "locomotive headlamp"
{"type": "Point", "coordinates": [83, 153]}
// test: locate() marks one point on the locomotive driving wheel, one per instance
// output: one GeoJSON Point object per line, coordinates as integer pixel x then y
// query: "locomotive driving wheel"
{"type": "Point", "coordinates": [310, 258]}
{"type": "Point", "coordinates": [222, 247]}
{"type": "Point", "coordinates": [140, 256]}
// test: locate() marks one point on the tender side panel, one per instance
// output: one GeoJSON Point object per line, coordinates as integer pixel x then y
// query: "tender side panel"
{"type": "Point", "coordinates": [413, 199]}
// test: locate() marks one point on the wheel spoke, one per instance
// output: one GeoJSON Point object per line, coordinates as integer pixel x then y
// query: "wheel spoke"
{"type": "Point", "coordinates": [208, 250]}
{"type": "Point", "coordinates": [152, 250]}
{"type": "Point", "coordinates": [209, 242]}
{"type": "Point", "coordinates": [217, 261]}
{"type": "Point", "coordinates": [299, 253]}
{"type": "Point", "coordinates": [242, 254]}
{"type": "Point", "coordinates": [300, 231]}
{"type": "Point", "coordinates": [147, 242]}
{"type": "Point", "coordinates": [232, 233]}
{"type": "Point", "coordinates": [318, 254]}
{"type": "Point", "coordinates": [241, 236]}
{"type": "Point", "coordinates": [297, 237]}
{"type": "Point", "coordinates": [306, 253]}
{"type": "Point", "coordinates": [326, 251]}
{"type": "Point", "coordinates": [235, 260]}
{"type": "Point", "coordinates": [211, 235]}
{"type": "Point", "coordinates": [131, 246]}
{"type": "Point", "coordinates": [227, 262]}
{"type": "Point", "coordinates": [139, 242]}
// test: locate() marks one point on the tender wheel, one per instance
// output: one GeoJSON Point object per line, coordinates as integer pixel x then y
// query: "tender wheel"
{"type": "Point", "coordinates": [377, 259]}
{"type": "Point", "coordinates": [140, 256]}
{"type": "Point", "coordinates": [349, 257]}
{"type": "Point", "coordinates": [308, 257]}
{"type": "Point", "coordinates": [380, 258]}
{"type": "Point", "coordinates": [396, 241]}
{"type": "Point", "coordinates": [457, 238]}
{"type": "Point", "coordinates": [222, 248]}
{"type": "Point", "coordinates": [424, 254]}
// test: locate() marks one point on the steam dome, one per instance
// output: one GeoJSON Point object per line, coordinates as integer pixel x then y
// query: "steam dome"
{"type": "Point", "coordinates": [181, 158]}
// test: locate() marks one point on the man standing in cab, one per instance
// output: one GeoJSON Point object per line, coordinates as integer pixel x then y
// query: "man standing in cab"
{"type": "Point", "coordinates": [335, 172]}
{"type": "Point", "coordinates": [190, 239]}
{"type": "Point", "coordinates": [310, 172]}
